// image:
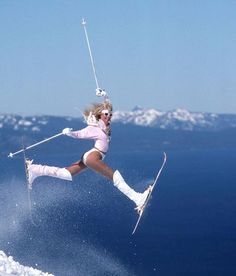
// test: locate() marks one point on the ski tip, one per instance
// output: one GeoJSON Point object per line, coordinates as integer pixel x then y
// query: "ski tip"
{"type": "Point", "coordinates": [165, 155]}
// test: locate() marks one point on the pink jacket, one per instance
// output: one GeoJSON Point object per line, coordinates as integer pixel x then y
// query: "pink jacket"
{"type": "Point", "coordinates": [95, 133]}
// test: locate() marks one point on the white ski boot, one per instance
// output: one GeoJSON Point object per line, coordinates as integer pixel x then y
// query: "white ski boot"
{"type": "Point", "coordinates": [138, 198]}
{"type": "Point", "coordinates": [29, 175]}
{"type": "Point", "coordinates": [34, 171]}
{"type": "Point", "coordinates": [142, 198]}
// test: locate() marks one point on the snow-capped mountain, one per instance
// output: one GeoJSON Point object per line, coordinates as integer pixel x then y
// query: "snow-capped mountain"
{"type": "Point", "coordinates": [178, 119]}
{"type": "Point", "coordinates": [33, 123]}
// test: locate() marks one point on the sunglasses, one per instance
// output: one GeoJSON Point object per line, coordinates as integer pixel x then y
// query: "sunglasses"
{"type": "Point", "coordinates": [107, 113]}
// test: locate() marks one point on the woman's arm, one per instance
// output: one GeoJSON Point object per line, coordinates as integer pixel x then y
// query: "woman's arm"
{"type": "Point", "coordinates": [88, 132]}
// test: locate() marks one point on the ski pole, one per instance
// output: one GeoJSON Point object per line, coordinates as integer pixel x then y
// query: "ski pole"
{"type": "Point", "coordinates": [90, 53]}
{"type": "Point", "coordinates": [36, 144]}
{"type": "Point", "coordinates": [99, 92]}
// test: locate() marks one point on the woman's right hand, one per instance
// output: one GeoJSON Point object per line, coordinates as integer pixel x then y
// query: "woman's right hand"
{"type": "Point", "coordinates": [67, 131]}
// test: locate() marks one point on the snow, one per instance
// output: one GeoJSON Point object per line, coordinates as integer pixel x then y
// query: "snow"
{"type": "Point", "coordinates": [138, 116]}
{"type": "Point", "coordinates": [178, 118]}
{"type": "Point", "coordinates": [24, 123]}
{"type": "Point", "coordinates": [18, 122]}
{"type": "Point", "coordinates": [35, 129]}
{"type": "Point", "coordinates": [10, 267]}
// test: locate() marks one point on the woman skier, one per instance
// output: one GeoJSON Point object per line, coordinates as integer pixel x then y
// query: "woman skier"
{"type": "Point", "coordinates": [98, 118]}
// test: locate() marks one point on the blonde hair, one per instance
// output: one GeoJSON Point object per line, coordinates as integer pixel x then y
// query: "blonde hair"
{"type": "Point", "coordinates": [97, 108]}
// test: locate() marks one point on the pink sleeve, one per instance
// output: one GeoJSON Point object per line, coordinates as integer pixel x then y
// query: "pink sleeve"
{"type": "Point", "coordinates": [88, 132]}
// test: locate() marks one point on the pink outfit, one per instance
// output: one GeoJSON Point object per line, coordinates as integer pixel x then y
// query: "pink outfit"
{"type": "Point", "coordinates": [96, 133]}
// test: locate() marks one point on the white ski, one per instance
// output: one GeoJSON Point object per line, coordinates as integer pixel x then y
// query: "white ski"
{"type": "Point", "coordinates": [141, 211]}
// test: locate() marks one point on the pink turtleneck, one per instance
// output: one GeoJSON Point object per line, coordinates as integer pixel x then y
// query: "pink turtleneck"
{"type": "Point", "coordinates": [96, 133]}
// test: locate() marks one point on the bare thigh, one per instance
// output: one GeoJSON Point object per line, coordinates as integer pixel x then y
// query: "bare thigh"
{"type": "Point", "coordinates": [76, 167]}
{"type": "Point", "coordinates": [94, 162]}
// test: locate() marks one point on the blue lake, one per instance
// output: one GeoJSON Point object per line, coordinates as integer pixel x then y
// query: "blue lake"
{"type": "Point", "coordinates": [84, 227]}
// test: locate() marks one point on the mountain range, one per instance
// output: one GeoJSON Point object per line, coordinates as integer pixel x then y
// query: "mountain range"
{"type": "Point", "coordinates": [139, 129]}
{"type": "Point", "coordinates": [178, 119]}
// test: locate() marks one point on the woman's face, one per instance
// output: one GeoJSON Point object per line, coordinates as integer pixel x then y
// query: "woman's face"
{"type": "Point", "coordinates": [106, 116]}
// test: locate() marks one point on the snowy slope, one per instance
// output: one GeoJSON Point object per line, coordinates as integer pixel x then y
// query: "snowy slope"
{"type": "Point", "coordinates": [10, 267]}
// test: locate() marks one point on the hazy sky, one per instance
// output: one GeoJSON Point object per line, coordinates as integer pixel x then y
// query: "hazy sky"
{"type": "Point", "coordinates": [161, 54]}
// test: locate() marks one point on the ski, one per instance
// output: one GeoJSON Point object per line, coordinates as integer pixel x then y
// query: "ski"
{"type": "Point", "coordinates": [141, 211]}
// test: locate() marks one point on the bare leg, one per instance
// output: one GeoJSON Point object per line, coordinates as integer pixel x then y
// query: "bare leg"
{"type": "Point", "coordinates": [94, 161]}
{"type": "Point", "coordinates": [76, 167]}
